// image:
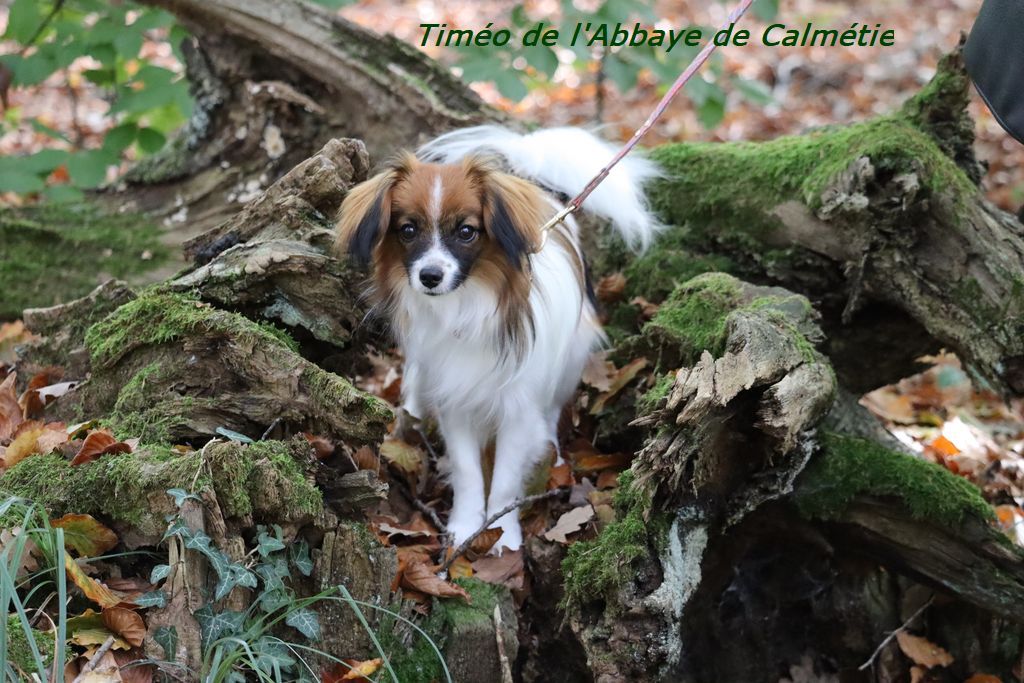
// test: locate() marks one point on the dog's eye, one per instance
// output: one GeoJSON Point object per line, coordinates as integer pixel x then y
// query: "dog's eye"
{"type": "Point", "coordinates": [466, 233]}
{"type": "Point", "coordinates": [407, 232]}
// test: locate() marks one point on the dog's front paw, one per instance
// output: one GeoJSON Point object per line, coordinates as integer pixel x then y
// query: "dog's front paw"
{"type": "Point", "coordinates": [459, 531]}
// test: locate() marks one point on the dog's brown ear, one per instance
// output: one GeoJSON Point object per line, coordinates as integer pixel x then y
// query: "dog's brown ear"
{"type": "Point", "coordinates": [514, 211]}
{"type": "Point", "coordinates": [366, 212]}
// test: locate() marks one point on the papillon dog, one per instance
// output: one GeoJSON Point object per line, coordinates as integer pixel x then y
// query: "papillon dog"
{"type": "Point", "coordinates": [494, 319]}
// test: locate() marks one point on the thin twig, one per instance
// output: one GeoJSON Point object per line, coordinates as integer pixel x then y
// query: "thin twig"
{"type": "Point", "coordinates": [889, 638]}
{"type": "Point", "coordinates": [266, 433]}
{"type": "Point", "coordinates": [514, 505]}
{"type": "Point", "coordinates": [506, 669]}
{"type": "Point", "coordinates": [95, 661]}
{"type": "Point", "coordinates": [429, 512]}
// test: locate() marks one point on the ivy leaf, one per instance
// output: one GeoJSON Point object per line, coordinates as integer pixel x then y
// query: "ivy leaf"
{"type": "Point", "coordinates": [89, 168]}
{"type": "Point", "coordinates": [152, 599]}
{"type": "Point", "coordinates": [510, 84]}
{"type": "Point", "coordinates": [272, 655]}
{"type": "Point", "coordinates": [273, 600]}
{"type": "Point", "coordinates": [301, 557]}
{"type": "Point", "coordinates": [159, 573]}
{"type": "Point", "coordinates": [181, 495]}
{"type": "Point", "coordinates": [542, 58]}
{"type": "Point", "coordinates": [151, 140]}
{"type": "Point", "coordinates": [167, 638]}
{"type": "Point", "coordinates": [216, 625]}
{"type": "Point", "coordinates": [755, 91]}
{"type": "Point", "coordinates": [305, 622]}
{"type": "Point", "coordinates": [268, 544]}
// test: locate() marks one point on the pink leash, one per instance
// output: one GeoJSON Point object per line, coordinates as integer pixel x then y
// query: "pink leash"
{"type": "Point", "coordinates": [692, 69]}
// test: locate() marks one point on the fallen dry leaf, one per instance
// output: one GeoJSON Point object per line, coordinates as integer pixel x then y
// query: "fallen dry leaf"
{"type": "Point", "coordinates": [98, 444]}
{"type": "Point", "coordinates": [504, 570]}
{"type": "Point", "coordinates": [88, 629]}
{"type": "Point", "coordinates": [86, 534]}
{"type": "Point", "coordinates": [598, 371]}
{"type": "Point", "coordinates": [647, 309]}
{"type": "Point", "coordinates": [922, 651]}
{"type": "Point", "coordinates": [460, 568]}
{"type": "Point", "coordinates": [569, 523]}
{"type": "Point", "coordinates": [24, 443]}
{"type": "Point", "coordinates": [560, 476]}
{"type": "Point", "coordinates": [360, 670]}
{"type": "Point", "coordinates": [622, 377]}
{"type": "Point", "coordinates": [405, 457]}
{"type": "Point", "coordinates": [485, 540]}
{"type": "Point", "coordinates": [323, 447]}
{"type": "Point", "coordinates": [93, 589]}
{"type": "Point", "coordinates": [10, 412]}
{"type": "Point", "coordinates": [420, 577]}
{"type": "Point", "coordinates": [366, 459]}
{"type": "Point", "coordinates": [126, 623]}
{"type": "Point", "coordinates": [130, 671]}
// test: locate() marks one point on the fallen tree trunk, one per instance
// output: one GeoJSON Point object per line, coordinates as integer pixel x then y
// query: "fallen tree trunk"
{"type": "Point", "coordinates": [742, 478]}
{"type": "Point", "coordinates": [273, 82]}
{"type": "Point", "coordinates": [881, 224]}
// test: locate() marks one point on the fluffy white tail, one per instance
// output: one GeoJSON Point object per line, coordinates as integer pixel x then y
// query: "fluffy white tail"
{"type": "Point", "coordinates": [564, 159]}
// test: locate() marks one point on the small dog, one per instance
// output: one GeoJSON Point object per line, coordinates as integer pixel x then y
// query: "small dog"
{"type": "Point", "coordinates": [494, 319]}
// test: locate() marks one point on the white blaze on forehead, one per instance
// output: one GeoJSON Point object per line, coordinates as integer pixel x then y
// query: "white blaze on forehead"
{"type": "Point", "coordinates": [435, 202]}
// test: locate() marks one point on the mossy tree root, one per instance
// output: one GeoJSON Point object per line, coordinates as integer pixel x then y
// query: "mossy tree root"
{"type": "Point", "coordinates": [880, 223]}
{"type": "Point", "coordinates": [738, 457]}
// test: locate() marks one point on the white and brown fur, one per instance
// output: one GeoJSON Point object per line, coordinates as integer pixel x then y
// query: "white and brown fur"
{"type": "Point", "coordinates": [494, 329]}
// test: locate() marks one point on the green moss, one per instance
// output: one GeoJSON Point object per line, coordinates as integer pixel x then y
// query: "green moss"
{"type": "Point", "coordinates": [849, 466]}
{"type": "Point", "coordinates": [157, 317]}
{"type": "Point", "coordinates": [694, 316]}
{"type": "Point", "coordinates": [731, 188]}
{"type": "Point", "coordinates": [113, 486]}
{"type": "Point", "coordinates": [654, 274]}
{"type": "Point", "coordinates": [265, 475]}
{"type": "Point", "coordinates": [602, 566]}
{"type": "Point", "coordinates": [52, 254]}
{"type": "Point", "coordinates": [19, 652]}
{"type": "Point", "coordinates": [330, 389]}
{"type": "Point", "coordinates": [650, 399]}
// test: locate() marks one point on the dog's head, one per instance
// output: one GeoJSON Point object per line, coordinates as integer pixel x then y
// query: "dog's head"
{"type": "Point", "coordinates": [430, 227]}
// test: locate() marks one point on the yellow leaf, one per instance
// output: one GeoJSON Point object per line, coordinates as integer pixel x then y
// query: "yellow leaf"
{"type": "Point", "coordinates": [93, 589]}
{"type": "Point", "coordinates": [922, 651]}
{"type": "Point", "coordinates": [86, 535]}
{"type": "Point", "coordinates": [363, 669]}
{"type": "Point", "coordinates": [404, 456]}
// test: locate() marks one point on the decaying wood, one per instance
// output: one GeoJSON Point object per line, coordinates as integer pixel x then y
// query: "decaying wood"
{"type": "Point", "coordinates": [900, 243]}
{"type": "Point", "coordinates": [272, 260]}
{"type": "Point", "coordinates": [273, 81]}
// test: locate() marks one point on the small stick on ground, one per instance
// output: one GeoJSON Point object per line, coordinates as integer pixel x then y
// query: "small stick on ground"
{"type": "Point", "coordinates": [888, 639]}
{"type": "Point", "coordinates": [506, 669]}
{"type": "Point", "coordinates": [95, 661]}
{"type": "Point", "coordinates": [429, 512]}
{"type": "Point", "coordinates": [514, 505]}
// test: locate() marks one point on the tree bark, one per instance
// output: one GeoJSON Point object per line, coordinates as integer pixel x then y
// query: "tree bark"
{"type": "Point", "coordinates": [881, 224]}
{"type": "Point", "coordinates": [273, 82]}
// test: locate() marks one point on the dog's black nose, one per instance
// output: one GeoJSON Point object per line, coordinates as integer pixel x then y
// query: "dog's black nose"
{"type": "Point", "coordinates": [431, 276]}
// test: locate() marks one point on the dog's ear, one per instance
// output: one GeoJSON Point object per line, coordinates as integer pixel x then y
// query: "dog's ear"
{"type": "Point", "coordinates": [366, 212]}
{"type": "Point", "coordinates": [514, 212]}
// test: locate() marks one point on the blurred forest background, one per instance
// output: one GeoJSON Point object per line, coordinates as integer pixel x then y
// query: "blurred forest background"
{"type": "Point", "coordinates": [100, 83]}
